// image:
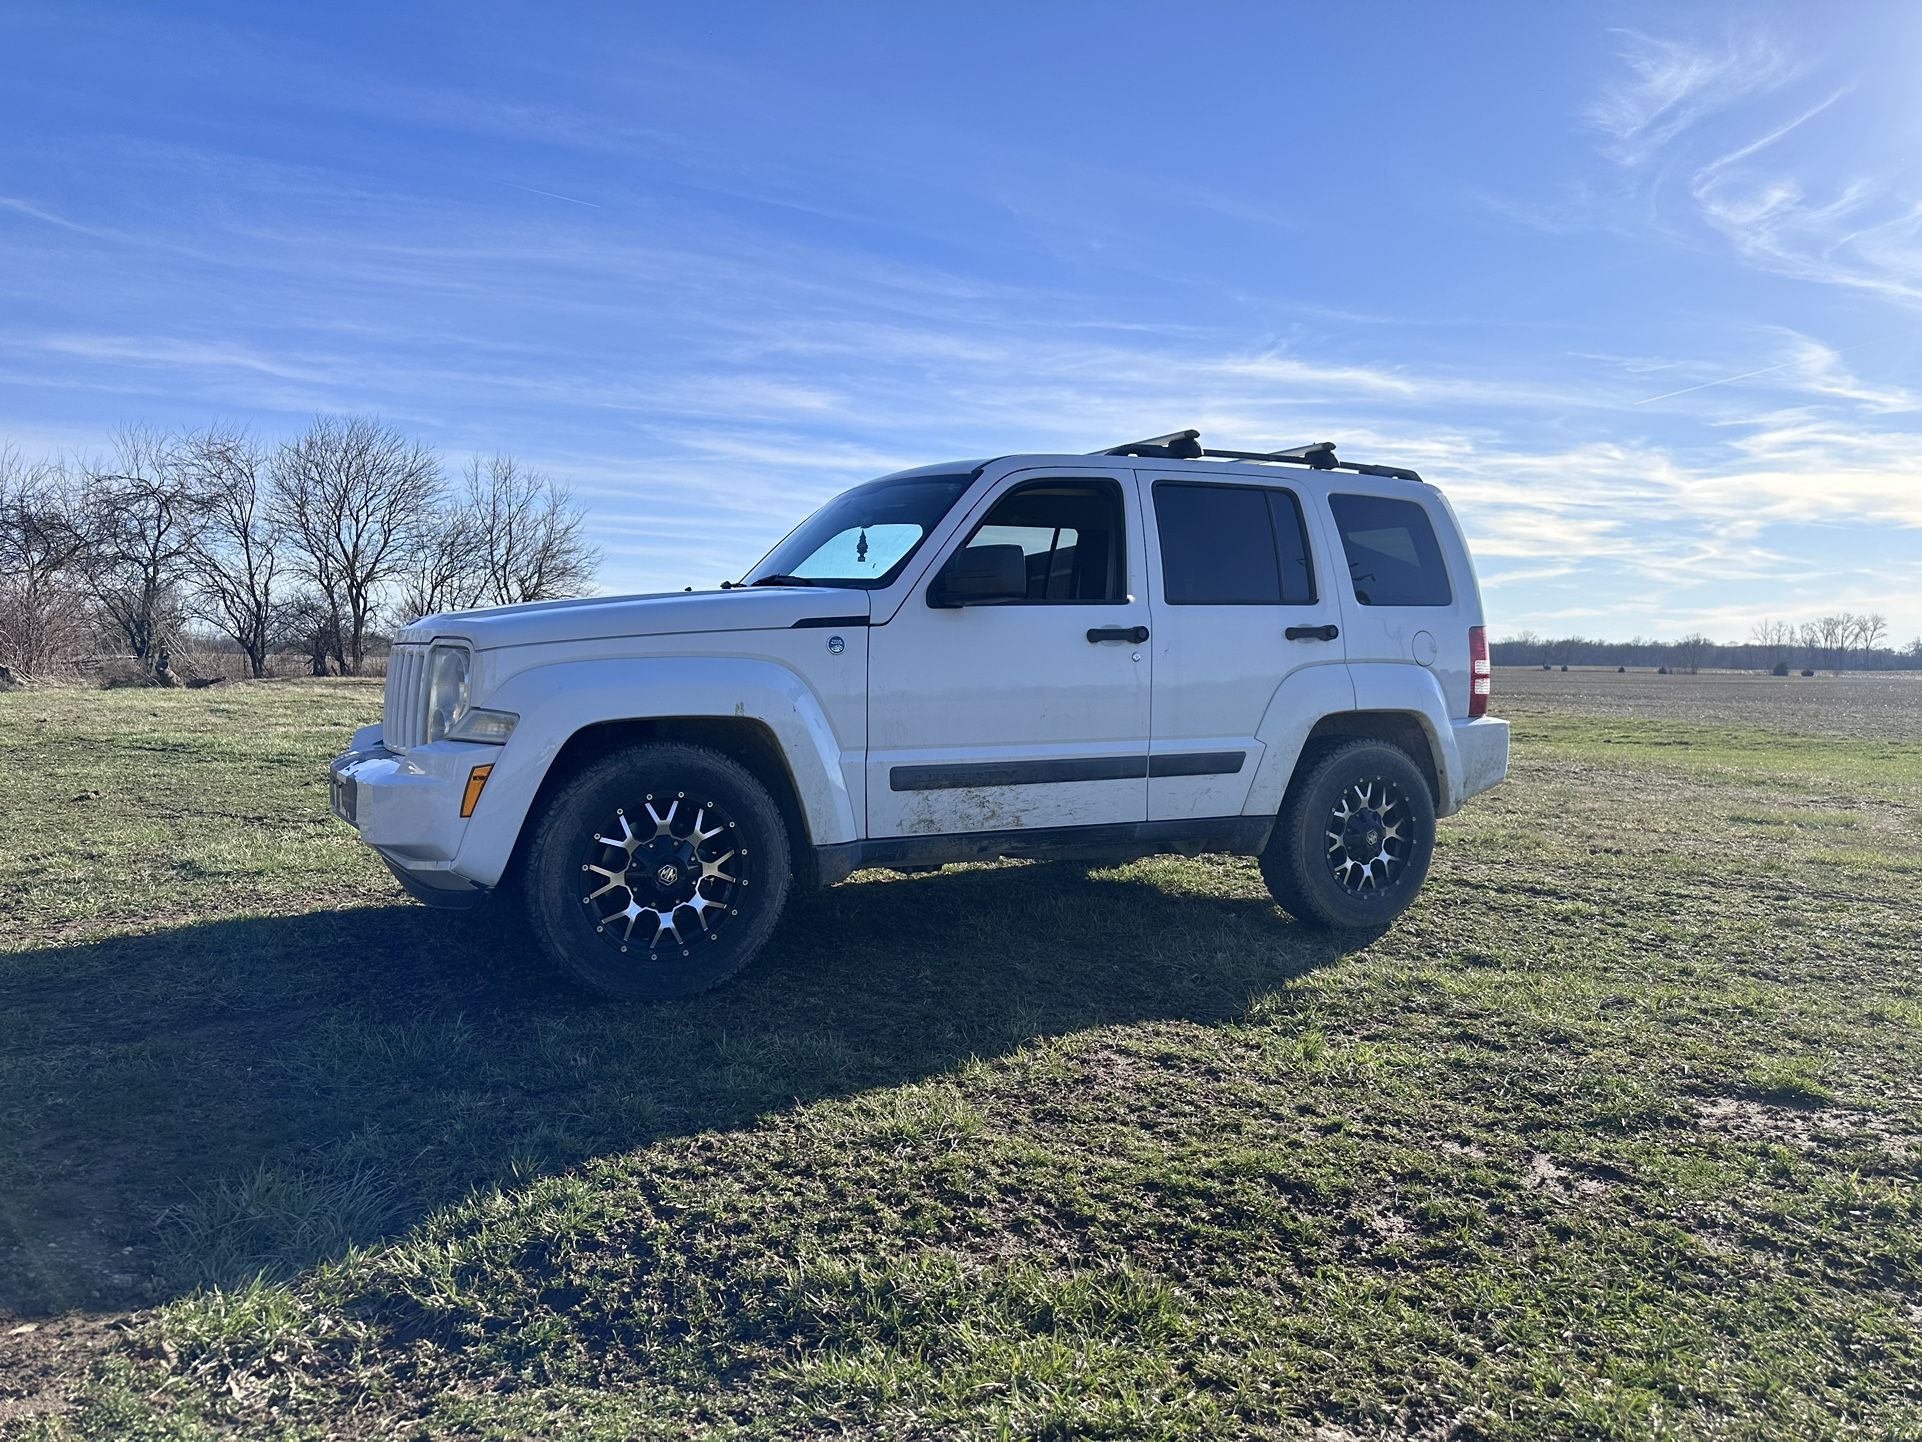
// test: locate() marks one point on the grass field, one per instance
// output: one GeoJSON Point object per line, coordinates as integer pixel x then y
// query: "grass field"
{"type": "Point", "coordinates": [1617, 1134]}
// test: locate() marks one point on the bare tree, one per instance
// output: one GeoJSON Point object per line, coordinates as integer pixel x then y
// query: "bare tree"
{"type": "Point", "coordinates": [448, 571]}
{"type": "Point", "coordinates": [513, 535]}
{"type": "Point", "coordinates": [1776, 638]}
{"type": "Point", "coordinates": [1833, 633]}
{"type": "Point", "coordinates": [236, 557]}
{"type": "Point", "coordinates": [309, 624]}
{"type": "Point", "coordinates": [1870, 629]}
{"type": "Point", "coordinates": [1691, 651]}
{"type": "Point", "coordinates": [42, 543]}
{"type": "Point", "coordinates": [531, 531]}
{"type": "Point", "coordinates": [142, 516]}
{"type": "Point", "coordinates": [359, 501]}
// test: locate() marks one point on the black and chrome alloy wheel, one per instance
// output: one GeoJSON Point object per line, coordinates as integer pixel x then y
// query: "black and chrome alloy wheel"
{"type": "Point", "coordinates": [667, 884]}
{"type": "Point", "coordinates": [1368, 844]}
{"type": "Point", "coordinates": [657, 870]}
{"type": "Point", "coordinates": [1351, 844]}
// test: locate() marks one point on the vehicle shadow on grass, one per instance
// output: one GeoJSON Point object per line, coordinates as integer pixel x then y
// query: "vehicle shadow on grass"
{"type": "Point", "coordinates": [197, 1106]}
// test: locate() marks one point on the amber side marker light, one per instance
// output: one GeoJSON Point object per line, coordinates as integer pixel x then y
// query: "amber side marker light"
{"type": "Point", "coordinates": [476, 779]}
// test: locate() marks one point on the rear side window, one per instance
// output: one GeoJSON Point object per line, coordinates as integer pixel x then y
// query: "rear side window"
{"type": "Point", "coordinates": [1393, 557]}
{"type": "Point", "coordinates": [1232, 546]}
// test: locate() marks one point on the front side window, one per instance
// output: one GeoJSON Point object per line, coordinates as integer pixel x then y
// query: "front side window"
{"type": "Point", "coordinates": [1070, 535]}
{"type": "Point", "coordinates": [1224, 545]}
{"type": "Point", "coordinates": [863, 537]}
{"type": "Point", "coordinates": [1393, 557]}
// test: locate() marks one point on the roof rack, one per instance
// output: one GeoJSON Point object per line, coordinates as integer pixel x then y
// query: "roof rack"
{"type": "Point", "coordinates": [1186, 446]}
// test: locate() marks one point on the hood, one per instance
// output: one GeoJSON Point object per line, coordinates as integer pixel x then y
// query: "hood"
{"type": "Point", "coordinates": [674, 613]}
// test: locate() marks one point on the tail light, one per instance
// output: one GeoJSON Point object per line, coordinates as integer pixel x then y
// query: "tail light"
{"type": "Point", "coordinates": [1480, 674]}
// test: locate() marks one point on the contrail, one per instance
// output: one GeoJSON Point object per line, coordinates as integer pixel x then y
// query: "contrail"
{"type": "Point", "coordinates": [1729, 380]}
{"type": "Point", "coordinates": [551, 195]}
{"type": "Point", "coordinates": [1725, 380]}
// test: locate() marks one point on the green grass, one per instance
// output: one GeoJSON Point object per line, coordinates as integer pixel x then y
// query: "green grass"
{"type": "Point", "coordinates": [1617, 1134]}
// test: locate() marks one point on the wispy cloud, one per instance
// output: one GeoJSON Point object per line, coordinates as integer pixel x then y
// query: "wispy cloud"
{"type": "Point", "coordinates": [1791, 214]}
{"type": "Point", "coordinates": [1671, 84]}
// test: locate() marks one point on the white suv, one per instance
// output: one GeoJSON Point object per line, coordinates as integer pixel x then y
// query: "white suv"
{"type": "Point", "coordinates": [1155, 648]}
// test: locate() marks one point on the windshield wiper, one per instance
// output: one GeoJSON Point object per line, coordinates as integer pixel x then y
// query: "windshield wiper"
{"type": "Point", "coordinates": [782, 581]}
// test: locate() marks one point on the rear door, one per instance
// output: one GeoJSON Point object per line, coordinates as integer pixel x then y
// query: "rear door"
{"type": "Point", "coordinates": [1240, 599]}
{"type": "Point", "coordinates": [1029, 712]}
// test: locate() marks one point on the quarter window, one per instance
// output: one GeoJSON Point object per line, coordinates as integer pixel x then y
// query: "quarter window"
{"type": "Point", "coordinates": [1232, 546]}
{"type": "Point", "coordinates": [1393, 557]}
{"type": "Point", "coordinates": [1069, 532]}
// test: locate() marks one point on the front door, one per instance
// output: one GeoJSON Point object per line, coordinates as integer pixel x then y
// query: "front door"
{"type": "Point", "coordinates": [1029, 708]}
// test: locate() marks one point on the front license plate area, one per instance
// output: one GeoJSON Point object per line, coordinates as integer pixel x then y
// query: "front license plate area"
{"type": "Point", "coordinates": [341, 794]}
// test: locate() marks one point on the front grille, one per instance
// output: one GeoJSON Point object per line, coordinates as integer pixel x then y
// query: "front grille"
{"type": "Point", "coordinates": [403, 719]}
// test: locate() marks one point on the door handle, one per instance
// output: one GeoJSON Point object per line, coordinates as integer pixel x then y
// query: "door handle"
{"type": "Point", "coordinates": [1312, 633]}
{"type": "Point", "coordinates": [1136, 634]}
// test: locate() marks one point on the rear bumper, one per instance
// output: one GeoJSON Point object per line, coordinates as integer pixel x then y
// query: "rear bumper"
{"type": "Point", "coordinates": [1481, 752]}
{"type": "Point", "coordinates": [408, 809]}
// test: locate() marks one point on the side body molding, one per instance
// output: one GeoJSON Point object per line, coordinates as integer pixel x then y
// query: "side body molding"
{"type": "Point", "coordinates": [556, 701]}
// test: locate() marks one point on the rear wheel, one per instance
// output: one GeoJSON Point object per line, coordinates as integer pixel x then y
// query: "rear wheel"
{"type": "Point", "coordinates": [658, 871]}
{"type": "Point", "coordinates": [1350, 849]}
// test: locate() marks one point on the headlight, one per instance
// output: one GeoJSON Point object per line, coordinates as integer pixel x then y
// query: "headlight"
{"type": "Point", "coordinates": [477, 723]}
{"type": "Point", "coordinates": [446, 689]}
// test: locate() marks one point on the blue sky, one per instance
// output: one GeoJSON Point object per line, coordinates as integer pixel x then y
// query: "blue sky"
{"type": "Point", "coordinates": [1639, 286]}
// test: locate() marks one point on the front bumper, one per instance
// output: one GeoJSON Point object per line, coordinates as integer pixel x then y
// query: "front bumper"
{"type": "Point", "coordinates": [407, 807]}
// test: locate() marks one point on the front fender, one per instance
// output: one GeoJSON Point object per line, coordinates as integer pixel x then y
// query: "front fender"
{"type": "Point", "coordinates": [556, 701]}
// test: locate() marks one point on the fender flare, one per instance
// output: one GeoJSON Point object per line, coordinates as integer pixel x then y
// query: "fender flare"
{"type": "Point", "coordinates": [1305, 695]}
{"type": "Point", "coordinates": [557, 701]}
{"type": "Point", "coordinates": [1306, 698]}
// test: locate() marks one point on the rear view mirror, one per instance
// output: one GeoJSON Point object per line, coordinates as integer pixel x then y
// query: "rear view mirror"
{"type": "Point", "coordinates": [979, 575]}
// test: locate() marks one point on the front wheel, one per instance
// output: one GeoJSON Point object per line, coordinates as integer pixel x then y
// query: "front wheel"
{"type": "Point", "coordinates": [1350, 849]}
{"type": "Point", "coordinates": [658, 871]}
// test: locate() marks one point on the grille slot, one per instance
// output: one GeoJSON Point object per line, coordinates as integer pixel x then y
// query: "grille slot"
{"type": "Point", "coordinates": [403, 719]}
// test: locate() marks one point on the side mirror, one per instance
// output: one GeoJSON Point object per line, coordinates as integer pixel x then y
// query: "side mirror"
{"type": "Point", "coordinates": [978, 575]}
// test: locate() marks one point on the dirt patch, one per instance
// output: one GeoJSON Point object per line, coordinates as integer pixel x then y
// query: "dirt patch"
{"type": "Point", "coordinates": [1804, 1127]}
{"type": "Point", "coordinates": [1392, 1227]}
{"type": "Point", "coordinates": [1544, 1174]}
{"type": "Point", "coordinates": [42, 1364]}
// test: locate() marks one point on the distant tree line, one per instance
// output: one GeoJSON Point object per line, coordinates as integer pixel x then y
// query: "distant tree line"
{"type": "Point", "coordinates": [310, 545]}
{"type": "Point", "coordinates": [1836, 642]}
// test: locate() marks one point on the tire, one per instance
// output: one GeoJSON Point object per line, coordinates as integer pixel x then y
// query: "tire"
{"type": "Point", "coordinates": [1321, 881]}
{"type": "Point", "coordinates": [661, 829]}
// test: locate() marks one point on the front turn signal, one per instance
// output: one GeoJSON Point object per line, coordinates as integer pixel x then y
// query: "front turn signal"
{"type": "Point", "coordinates": [476, 780]}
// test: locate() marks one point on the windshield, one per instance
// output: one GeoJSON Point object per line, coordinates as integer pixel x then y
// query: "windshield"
{"type": "Point", "coordinates": [863, 537]}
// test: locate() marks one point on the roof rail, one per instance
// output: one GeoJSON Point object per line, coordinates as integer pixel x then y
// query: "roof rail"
{"type": "Point", "coordinates": [1186, 446]}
